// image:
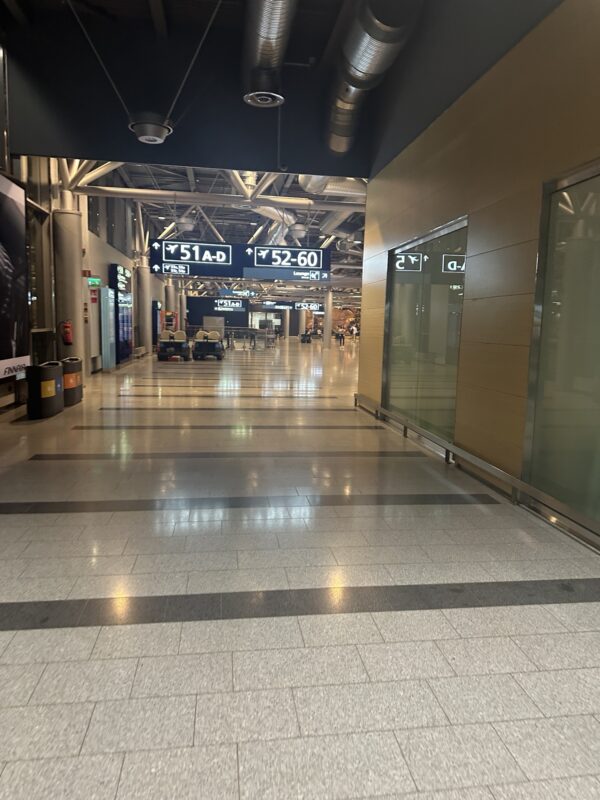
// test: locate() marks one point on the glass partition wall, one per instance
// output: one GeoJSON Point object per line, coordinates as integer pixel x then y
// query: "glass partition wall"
{"type": "Point", "coordinates": [564, 444]}
{"type": "Point", "coordinates": [425, 291]}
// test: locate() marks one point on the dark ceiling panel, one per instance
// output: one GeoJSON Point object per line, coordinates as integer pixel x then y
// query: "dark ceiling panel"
{"type": "Point", "coordinates": [61, 103]}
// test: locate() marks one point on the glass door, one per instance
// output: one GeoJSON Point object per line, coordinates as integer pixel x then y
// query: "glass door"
{"type": "Point", "coordinates": [565, 404]}
{"type": "Point", "coordinates": [423, 316]}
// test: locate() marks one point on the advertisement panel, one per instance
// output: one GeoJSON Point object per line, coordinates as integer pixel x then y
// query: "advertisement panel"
{"type": "Point", "coordinates": [14, 308]}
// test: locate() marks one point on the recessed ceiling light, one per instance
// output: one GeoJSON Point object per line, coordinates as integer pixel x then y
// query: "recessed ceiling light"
{"type": "Point", "coordinates": [161, 218]}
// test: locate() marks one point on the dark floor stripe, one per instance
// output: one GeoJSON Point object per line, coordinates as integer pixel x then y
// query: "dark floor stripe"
{"type": "Point", "coordinates": [226, 393]}
{"type": "Point", "coordinates": [264, 501]}
{"type": "Point", "coordinates": [293, 602]}
{"type": "Point", "coordinates": [238, 454]}
{"type": "Point", "coordinates": [227, 427]}
{"type": "Point", "coordinates": [268, 409]}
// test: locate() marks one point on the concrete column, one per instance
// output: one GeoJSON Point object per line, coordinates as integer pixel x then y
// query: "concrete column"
{"type": "Point", "coordinates": [301, 321]}
{"type": "Point", "coordinates": [182, 310]}
{"type": "Point", "coordinates": [328, 318]}
{"type": "Point", "coordinates": [144, 302]}
{"type": "Point", "coordinates": [68, 263]}
{"type": "Point", "coordinates": [171, 298]}
{"type": "Point", "coordinates": [286, 324]}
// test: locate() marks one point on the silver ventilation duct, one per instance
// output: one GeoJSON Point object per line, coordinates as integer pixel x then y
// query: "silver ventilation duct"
{"type": "Point", "coordinates": [378, 34]}
{"type": "Point", "coordinates": [333, 220]}
{"type": "Point", "coordinates": [276, 214]}
{"type": "Point", "coordinates": [268, 26]}
{"type": "Point", "coordinates": [336, 187]}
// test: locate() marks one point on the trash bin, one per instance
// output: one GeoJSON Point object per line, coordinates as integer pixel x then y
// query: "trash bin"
{"type": "Point", "coordinates": [72, 382]}
{"type": "Point", "coordinates": [45, 396]}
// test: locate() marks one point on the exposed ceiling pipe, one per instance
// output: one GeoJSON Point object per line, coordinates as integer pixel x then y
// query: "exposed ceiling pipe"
{"type": "Point", "coordinates": [277, 214]}
{"type": "Point", "coordinates": [268, 25]}
{"type": "Point", "coordinates": [268, 179]}
{"type": "Point", "coordinates": [333, 220]}
{"type": "Point", "coordinates": [82, 169]}
{"type": "Point", "coordinates": [343, 187]}
{"type": "Point", "coordinates": [256, 235]}
{"type": "Point", "coordinates": [216, 200]}
{"type": "Point", "coordinates": [141, 234]}
{"type": "Point", "coordinates": [276, 231]}
{"type": "Point", "coordinates": [167, 231]}
{"type": "Point", "coordinates": [237, 182]}
{"type": "Point", "coordinates": [99, 172]}
{"type": "Point", "coordinates": [63, 171]}
{"type": "Point", "coordinates": [378, 34]}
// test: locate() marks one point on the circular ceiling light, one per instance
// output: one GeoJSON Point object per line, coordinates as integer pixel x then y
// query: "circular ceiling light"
{"type": "Point", "coordinates": [150, 128]}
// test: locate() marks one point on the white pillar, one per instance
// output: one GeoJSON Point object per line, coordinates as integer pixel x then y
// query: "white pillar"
{"type": "Point", "coordinates": [286, 324]}
{"type": "Point", "coordinates": [144, 301]}
{"type": "Point", "coordinates": [171, 298]}
{"type": "Point", "coordinates": [182, 310]}
{"type": "Point", "coordinates": [328, 318]}
{"type": "Point", "coordinates": [68, 263]}
{"type": "Point", "coordinates": [301, 321]}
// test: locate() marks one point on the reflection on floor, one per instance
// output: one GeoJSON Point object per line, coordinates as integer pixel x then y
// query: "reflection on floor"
{"type": "Point", "coordinates": [222, 581]}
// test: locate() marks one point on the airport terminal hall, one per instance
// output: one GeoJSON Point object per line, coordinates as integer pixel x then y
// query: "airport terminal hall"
{"type": "Point", "coordinates": [299, 400]}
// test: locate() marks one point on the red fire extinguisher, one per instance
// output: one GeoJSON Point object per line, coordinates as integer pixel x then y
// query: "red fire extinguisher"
{"type": "Point", "coordinates": [66, 331]}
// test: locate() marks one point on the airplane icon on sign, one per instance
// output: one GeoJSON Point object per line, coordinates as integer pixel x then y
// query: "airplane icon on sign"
{"type": "Point", "coordinates": [263, 253]}
{"type": "Point", "coordinates": [172, 247]}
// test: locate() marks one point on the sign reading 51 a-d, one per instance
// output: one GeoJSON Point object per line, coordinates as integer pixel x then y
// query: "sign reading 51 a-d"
{"type": "Point", "coordinates": [191, 252]}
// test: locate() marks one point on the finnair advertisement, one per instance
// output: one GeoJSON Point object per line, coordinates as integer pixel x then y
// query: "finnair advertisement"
{"type": "Point", "coordinates": [14, 308]}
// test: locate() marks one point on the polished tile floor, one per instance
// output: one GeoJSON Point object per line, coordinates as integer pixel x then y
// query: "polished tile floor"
{"type": "Point", "coordinates": [220, 580]}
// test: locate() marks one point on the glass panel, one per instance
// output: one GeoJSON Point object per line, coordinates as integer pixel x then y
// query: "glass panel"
{"type": "Point", "coordinates": [425, 298]}
{"type": "Point", "coordinates": [566, 441]}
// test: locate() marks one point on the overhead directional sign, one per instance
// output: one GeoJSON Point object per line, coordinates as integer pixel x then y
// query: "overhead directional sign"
{"type": "Point", "coordinates": [309, 306]}
{"type": "Point", "coordinates": [262, 262]}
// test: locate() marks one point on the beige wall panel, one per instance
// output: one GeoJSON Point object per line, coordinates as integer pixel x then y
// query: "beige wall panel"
{"type": "Point", "coordinates": [502, 272]}
{"type": "Point", "coordinates": [373, 295]}
{"type": "Point", "coordinates": [373, 324]}
{"type": "Point", "coordinates": [530, 119]}
{"type": "Point", "coordinates": [498, 320]}
{"type": "Point", "coordinates": [370, 371]}
{"type": "Point", "coordinates": [491, 425]}
{"type": "Point", "coordinates": [375, 268]}
{"type": "Point", "coordinates": [509, 221]}
{"type": "Point", "coordinates": [496, 367]}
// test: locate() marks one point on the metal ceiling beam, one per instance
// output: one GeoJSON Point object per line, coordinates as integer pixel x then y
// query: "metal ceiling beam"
{"type": "Point", "coordinates": [210, 224]}
{"type": "Point", "coordinates": [268, 179]}
{"type": "Point", "coordinates": [212, 200]}
{"type": "Point", "coordinates": [237, 182]}
{"type": "Point", "coordinates": [63, 171]}
{"type": "Point", "coordinates": [99, 172]}
{"type": "Point", "coordinates": [189, 171]}
{"type": "Point", "coordinates": [159, 18]}
{"type": "Point", "coordinates": [81, 170]}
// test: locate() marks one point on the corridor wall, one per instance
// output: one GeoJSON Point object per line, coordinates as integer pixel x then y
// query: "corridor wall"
{"type": "Point", "coordinates": [527, 121]}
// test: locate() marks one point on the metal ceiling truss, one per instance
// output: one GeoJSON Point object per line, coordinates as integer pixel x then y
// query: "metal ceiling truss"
{"type": "Point", "coordinates": [232, 206]}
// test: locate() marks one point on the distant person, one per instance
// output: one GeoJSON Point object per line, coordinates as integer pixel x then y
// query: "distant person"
{"type": "Point", "coordinates": [341, 335]}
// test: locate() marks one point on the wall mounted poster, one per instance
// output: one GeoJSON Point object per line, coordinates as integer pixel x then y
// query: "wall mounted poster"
{"type": "Point", "coordinates": [14, 308]}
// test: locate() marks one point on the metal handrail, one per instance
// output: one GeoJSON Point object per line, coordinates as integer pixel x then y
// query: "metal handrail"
{"type": "Point", "coordinates": [520, 489]}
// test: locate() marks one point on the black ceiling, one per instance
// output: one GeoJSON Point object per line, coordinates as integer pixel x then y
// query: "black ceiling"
{"type": "Point", "coordinates": [61, 103]}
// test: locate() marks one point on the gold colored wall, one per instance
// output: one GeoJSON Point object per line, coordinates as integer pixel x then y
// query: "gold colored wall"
{"type": "Point", "coordinates": [532, 118]}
